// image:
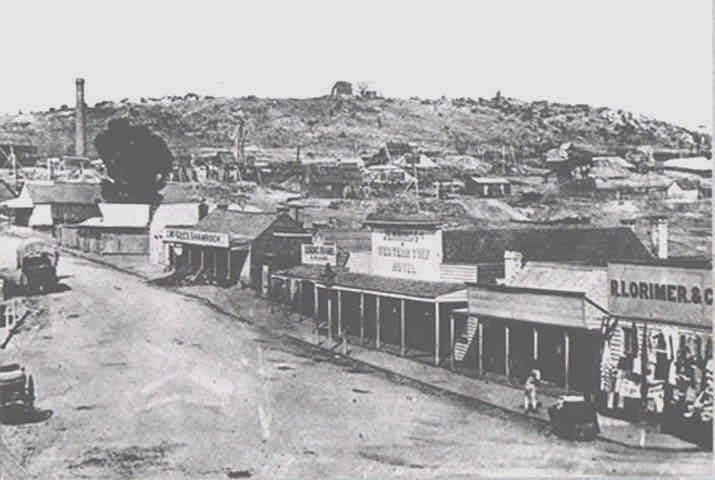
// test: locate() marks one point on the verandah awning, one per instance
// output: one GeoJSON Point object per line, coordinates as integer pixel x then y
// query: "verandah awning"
{"type": "Point", "coordinates": [18, 202]}
{"type": "Point", "coordinates": [550, 307]}
{"type": "Point", "coordinates": [378, 285]}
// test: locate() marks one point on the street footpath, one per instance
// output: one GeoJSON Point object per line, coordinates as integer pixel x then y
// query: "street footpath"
{"type": "Point", "coordinates": [246, 305]}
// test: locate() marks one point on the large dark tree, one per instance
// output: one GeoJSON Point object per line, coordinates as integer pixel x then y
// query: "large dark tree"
{"type": "Point", "coordinates": [138, 161]}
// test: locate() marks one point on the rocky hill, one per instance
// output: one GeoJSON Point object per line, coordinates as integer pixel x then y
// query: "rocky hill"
{"type": "Point", "coordinates": [353, 124]}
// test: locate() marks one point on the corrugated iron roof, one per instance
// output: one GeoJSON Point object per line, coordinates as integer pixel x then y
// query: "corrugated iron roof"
{"type": "Point", "coordinates": [246, 224]}
{"type": "Point", "coordinates": [376, 283]}
{"type": "Point", "coordinates": [590, 280]}
{"type": "Point", "coordinates": [120, 215]}
{"type": "Point", "coordinates": [179, 193]}
{"type": "Point", "coordinates": [490, 180]}
{"type": "Point", "coordinates": [593, 246]}
{"type": "Point", "coordinates": [64, 192]}
{"type": "Point", "coordinates": [700, 164]}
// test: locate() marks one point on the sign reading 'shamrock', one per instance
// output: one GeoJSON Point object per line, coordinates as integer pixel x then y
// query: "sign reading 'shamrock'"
{"type": "Point", "coordinates": [196, 237]}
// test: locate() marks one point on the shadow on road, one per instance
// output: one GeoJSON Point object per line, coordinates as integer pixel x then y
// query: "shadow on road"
{"type": "Point", "coordinates": [18, 415]}
{"type": "Point", "coordinates": [12, 290]}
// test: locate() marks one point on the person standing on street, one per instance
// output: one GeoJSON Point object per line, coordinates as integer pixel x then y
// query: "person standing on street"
{"type": "Point", "coordinates": [530, 400]}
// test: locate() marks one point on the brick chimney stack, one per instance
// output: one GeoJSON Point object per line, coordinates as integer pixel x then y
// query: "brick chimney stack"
{"type": "Point", "coordinates": [659, 236]}
{"type": "Point", "coordinates": [80, 135]}
{"type": "Point", "coordinates": [513, 263]}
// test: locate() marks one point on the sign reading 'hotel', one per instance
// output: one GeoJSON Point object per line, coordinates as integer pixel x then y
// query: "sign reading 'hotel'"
{"type": "Point", "coordinates": [411, 253]}
{"type": "Point", "coordinates": [195, 237]}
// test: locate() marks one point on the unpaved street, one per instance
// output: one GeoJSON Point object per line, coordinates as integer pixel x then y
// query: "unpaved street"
{"type": "Point", "coordinates": [145, 383]}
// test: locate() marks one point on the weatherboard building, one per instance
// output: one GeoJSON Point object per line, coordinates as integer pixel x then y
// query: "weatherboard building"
{"type": "Point", "coordinates": [658, 350]}
{"type": "Point", "coordinates": [230, 245]}
{"type": "Point", "coordinates": [473, 299]}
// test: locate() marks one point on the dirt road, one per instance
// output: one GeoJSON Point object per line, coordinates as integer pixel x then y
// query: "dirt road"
{"type": "Point", "coordinates": [145, 383]}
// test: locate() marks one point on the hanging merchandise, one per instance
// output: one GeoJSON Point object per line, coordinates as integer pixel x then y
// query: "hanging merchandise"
{"type": "Point", "coordinates": [637, 364]}
{"type": "Point", "coordinates": [629, 389]}
{"type": "Point", "coordinates": [606, 369]}
{"type": "Point", "coordinates": [669, 337]}
{"type": "Point", "coordinates": [656, 398]}
{"type": "Point", "coordinates": [672, 373]}
{"type": "Point", "coordinates": [644, 363]}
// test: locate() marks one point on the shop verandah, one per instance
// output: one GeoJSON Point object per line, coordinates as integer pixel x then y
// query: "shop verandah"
{"type": "Point", "coordinates": [509, 348]}
{"type": "Point", "coordinates": [508, 331]}
{"type": "Point", "coordinates": [220, 265]}
{"type": "Point", "coordinates": [406, 317]}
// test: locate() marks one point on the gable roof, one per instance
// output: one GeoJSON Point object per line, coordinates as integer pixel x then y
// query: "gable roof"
{"type": "Point", "coordinates": [246, 224]}
{"type": "Point", "coordinates": [592, 246]}
{"type": "Point", "coordinates": [496, 180]}
{"type": "Point", "coordinates": [178, 193]}
{"type": "Point", "coordinates": [6, 191]}
{"type": "Point", "coordinates": [699, 164]}
{"type": "Point", "coordinates": [64, 192]}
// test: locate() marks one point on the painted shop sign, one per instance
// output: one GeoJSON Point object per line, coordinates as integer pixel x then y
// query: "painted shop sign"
{"type": "Point", "coordinates": [661, 292]}
{"type": "Point", "coordinates": [407, 253]}
{"type": "Point", "coordinates": [671, 294]}
{"type": "Point", "coordinates": [319, 254]}
{"type": "Point", "coordinates": [195, 237]}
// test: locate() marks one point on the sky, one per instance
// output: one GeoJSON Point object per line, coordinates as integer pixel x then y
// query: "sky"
{"type": "Point", "coordinates": [652, 57]}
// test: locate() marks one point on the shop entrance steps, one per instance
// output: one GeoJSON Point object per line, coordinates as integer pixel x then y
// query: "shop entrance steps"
{"type": "Point", "coordinates": [465, 340]}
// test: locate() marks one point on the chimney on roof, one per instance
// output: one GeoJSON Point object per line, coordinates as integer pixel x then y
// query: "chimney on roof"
{"type": "Point", "coordinates": [80, 134]}
{"type": "Point", "coordinates": [50, 169]}
{"type": "Point", "coordinates": [659, 236]}
{"type": "Point", "coordinates": [513, 263]}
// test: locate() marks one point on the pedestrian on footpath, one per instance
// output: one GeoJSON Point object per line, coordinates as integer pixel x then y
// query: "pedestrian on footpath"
{"type": "Point", "coordinates": [345, 340]}
{"type": "Point", "coordinates": [531, 403]}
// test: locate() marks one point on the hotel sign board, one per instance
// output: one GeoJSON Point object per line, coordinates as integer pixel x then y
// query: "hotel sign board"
{"type": "Point", "coordinates": [319, 254]}
{"type": "Point", "coordinates": [196, 237]}
{"type": "Point", "coordinates": [661, 293]}
{"type": "Point", "coordinates": [407, 253]}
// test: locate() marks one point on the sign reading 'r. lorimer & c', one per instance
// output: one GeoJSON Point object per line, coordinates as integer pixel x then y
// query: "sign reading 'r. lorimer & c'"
{"type": "Point", "coordinates": [195, 237]}
{"type": "Point", "coordinates": [663, 293]}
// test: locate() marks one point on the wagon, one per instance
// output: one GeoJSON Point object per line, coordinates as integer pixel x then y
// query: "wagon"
{"type": "Point", "coordinates": [16, 388]}
{"type": "Point", "coordinates": [37, 266]}
{"type": "Point", "coordinates": [574, 418]}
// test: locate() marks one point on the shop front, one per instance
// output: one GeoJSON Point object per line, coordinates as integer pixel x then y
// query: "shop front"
{"type": "Point", "coordinates": [212, 255]}
{"type": "Point", "coordinates": [228, 245]}
{"type": "Point", "coordinates": [411, 316]}
{"type": "Point", "coordinates": [658, 358]}
{"type": "Point", "coordinates": [519, 329]}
